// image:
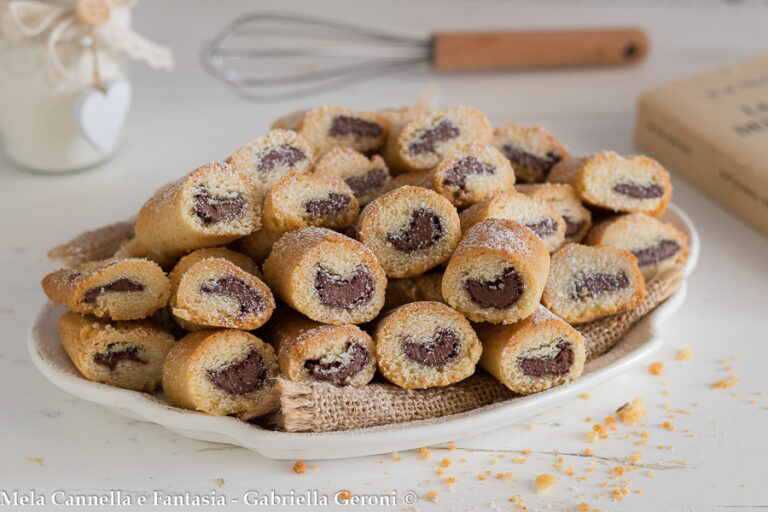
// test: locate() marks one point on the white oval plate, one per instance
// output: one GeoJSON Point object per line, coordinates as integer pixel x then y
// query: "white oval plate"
{"type": "Point", "coordinates": [642, 340]}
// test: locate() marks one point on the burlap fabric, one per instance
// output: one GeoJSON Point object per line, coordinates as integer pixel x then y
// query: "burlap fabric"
{"type": "Point", "coordinates": [323, 407]}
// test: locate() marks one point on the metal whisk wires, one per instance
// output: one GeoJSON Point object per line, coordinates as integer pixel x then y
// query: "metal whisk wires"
{"type": "Point", "coordinates": [272, 56]}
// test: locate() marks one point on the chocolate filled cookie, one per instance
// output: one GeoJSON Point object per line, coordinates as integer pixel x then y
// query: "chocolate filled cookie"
{"type": "Point", "coordinates": [425, 344]}
{"type": "Point", "coordinates": [221, 372]}
{"type": "Point", "coordinates": [420, 143]}
{"type": "Point", "coordinates": [268, 158]}
{"type": "Point", "coordinates": [308, 351]}
{"type": "Point", "coordinates": [326, 128]}
{"type": "Point", "coordinates": [326, 276]}
{"type": "Point", "coordinates": [424, 287]}
{"type": "Point", "coordinates": [368, 178]}
{"type": "Point", "coordinates": [533, 213]}
{"type": "Point", "coordinates": [219, 288]}
{"type": "Point", "coordinates": [533, 354]}
{"type": "Point", "coordinates": [532, 150]}
{"type": "Point", "coordinates": [497, 273]}
{"type": "Point", "coordinates": [657, 246]}
{"type": "Point", "coordinates": [587, 283]}
{"type": "Point", "coordinates": [126, 354]}
{"type": "Point", "coordinates": [211, 206]}
{"type": "Point", "coordinates": [635, 184]}
{"type": "Point", "coordinates": [299, 200]}
{"type": "Point", "coordinates": [471, 174]}
{"type": "Point", "coordinates": [410, 230]}
{"type": "Point", "coordinates": [565, 200]}
{"type": "Point", "coordinates": [119, 289]}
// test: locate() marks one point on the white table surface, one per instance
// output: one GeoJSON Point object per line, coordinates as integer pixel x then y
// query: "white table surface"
{"type": "Point", "coordinates": [50, 441]}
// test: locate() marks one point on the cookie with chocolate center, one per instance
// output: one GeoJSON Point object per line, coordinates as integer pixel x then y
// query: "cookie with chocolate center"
{"type": "Point", "coordinates": [308, 351]}
{"type": "Point", "coordinates": [326, 276]}
{"type": "Point", "coordinates": [586, 283]}
{"type": "Point", "coordinates": [470, 175]}
{"type": "Point", "coordinates": [425, 344]}
{"type": "Point", "coordinates": [222, 372]}
{"type": "Point", "coordinates": [636, 184]}
{"type": "Point", "coordinates": [213, 205]}
{"type": "Point", "coordinates": [532, 150]}
{"type": "Point", "coordinates": [117, 289]}
{"type": "Point", "coordinates": [533, 354]}
{"type": "Point", "coordinates": [497, 273]}
{"type": "Point", "coordinates": [410, 230]}
{"type": "Point", "coordinates": [125, 354]}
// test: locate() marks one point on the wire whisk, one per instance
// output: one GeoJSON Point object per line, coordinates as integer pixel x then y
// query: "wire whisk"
{"type": "Point", "coordinates": [269, 56]}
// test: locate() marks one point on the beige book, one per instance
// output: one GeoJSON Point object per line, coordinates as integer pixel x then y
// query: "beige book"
{"type": "Point", "coordinates": [712, 129]}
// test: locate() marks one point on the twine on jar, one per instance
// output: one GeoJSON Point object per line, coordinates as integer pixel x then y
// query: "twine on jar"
{"type": "Point", "coordinates": [26, 19]}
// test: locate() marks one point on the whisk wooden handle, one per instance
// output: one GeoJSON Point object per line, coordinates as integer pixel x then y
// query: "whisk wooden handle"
{"type": "Point", "coordinates": [466, 51]}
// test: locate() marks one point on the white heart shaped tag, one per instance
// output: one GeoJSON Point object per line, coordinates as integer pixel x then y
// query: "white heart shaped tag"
{"type": "Point", "coordinates": [100, 116]}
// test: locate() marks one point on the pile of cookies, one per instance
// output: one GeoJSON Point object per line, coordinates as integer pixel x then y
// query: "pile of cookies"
{"type": "Point", "coordinates": [405, 243]}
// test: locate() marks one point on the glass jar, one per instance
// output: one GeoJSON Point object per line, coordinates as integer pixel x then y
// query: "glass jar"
{"type": "Point", "coordinates": [37, 120]}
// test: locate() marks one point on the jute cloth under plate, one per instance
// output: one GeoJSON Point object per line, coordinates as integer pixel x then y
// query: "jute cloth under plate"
{"type": "Point", "coordinates": [323, 407]}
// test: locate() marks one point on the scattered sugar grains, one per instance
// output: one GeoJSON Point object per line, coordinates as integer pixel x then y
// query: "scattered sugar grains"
{"type": "Point", "coordinates": [631, 413]}
{"type": "Point", "coordinates": [686, 354]}
{"type": "Point", "coordinates": [656, 368]}
{"type": "Point", "coordinates": [544, 482]}
{"type": "Point", "coordinates": [299, 467]}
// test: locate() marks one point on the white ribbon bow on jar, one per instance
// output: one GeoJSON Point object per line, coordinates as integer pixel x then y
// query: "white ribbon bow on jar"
{"type": "Point", "coordinates": [27, 18]}
{"type": "Point", "coordinates": [99, 112]}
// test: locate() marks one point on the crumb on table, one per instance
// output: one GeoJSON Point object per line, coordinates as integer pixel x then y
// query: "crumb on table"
{"type": "Point", "coordinates": [544, 482]}
{"type": "Point", "coordinates": [631, 413]}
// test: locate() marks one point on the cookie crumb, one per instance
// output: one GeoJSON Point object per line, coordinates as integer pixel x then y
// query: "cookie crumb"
{"type": "Point", "coordinates": [686, 354]}
{"type": "Point", "coordinates": [445, 463]}
{"type": "Point", "coordinates": [299, 467]}
{"type": "Point", "coordinates": [35, 460]}
{"type": "Point", "coordinates": [544, 482]}
{"type": "Point", "coordinates": [636, 457]}
{"type": "Point", "coordinates": [585, 396]}
{"type": "Point", "coordinates": [631, 413]}
{"type": "Point", "coordinates": [531, 426]}
{"type": "Point", "coordinates": [396, 457]}
{"type": "Point", "coordinates": [425, 453]}
{"type": "Point", "coordinates": [656, 368]}
{"type": "Point", "coordinates": [218, 482]}
{"type": "Point", "coordinates": [669, 426]}
{"type": "Point", "coordinates": [345, 495]}
{"type": "Point", "coordinates": [432, 495]}
{"type": "Point", "coordinates": [725, 383]}
{"type": "Point", "coordinates": [583, 507]}
{"type": "Point", "coordinates": [452, 446]}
